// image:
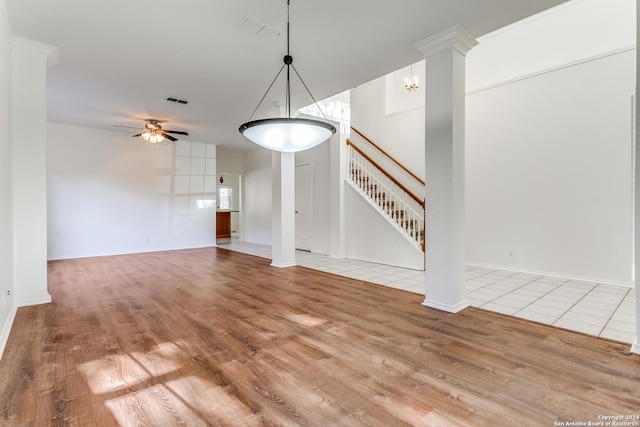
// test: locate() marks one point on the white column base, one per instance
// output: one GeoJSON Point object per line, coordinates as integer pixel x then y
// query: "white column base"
{"type": "Point", "coordinates": [283, 265]}
{"type": "Point", "coordinates": [445, 307]}
{"type": "Point", "coordinates": [6, 330]}
{"type": "Point", "coordinates": [35, 301]}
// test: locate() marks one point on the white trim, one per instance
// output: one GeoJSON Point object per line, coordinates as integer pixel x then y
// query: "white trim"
{"type": "Point", "coordinates": [553, 69]}
{"type": "Point", "coordinates": [35, 50]}
{"type": "Point", "coordinates": [385, 262]}
{"type": "Point", "coordinates": [406, 110]}
{"type": "Point", "coordinates": [6, 329]}
{"type": "Point", "coordinates": [635, 347]}
{"type": "Point", "coordinates": [545, 273]}
{"type": "Point", "coordinates": [36, 301]}
{"type": "Point", "coordinates": [529, 19]}
{"type": "Point", "coordinates": [456, 37]}
{"type": "Point", "coordinates": [130, 253]}
{"type": "Point", "coordinates": [283, 265]}
{"type": "Point", "coordinates": [311, 216]}
{"type": "Point", "coordinates": [360, 86]}
{"type": "Point", "coordinates": [445, 307]}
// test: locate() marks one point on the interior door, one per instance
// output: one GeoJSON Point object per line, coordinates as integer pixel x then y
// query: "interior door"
{"type": "Point", "coordinates": [304, 206]}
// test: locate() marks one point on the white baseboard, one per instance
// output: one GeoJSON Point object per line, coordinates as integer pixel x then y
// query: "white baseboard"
{"type": "Point", "coordinates": [141, 251]}
{"type": "Point", "coordinates": [283, 265]}
{"type": "Point", "coordinates": [6, 329]}
{"type": "Point", "coordinates": [546, 273]}
{"type": "Point", "coordinates": [386, 262]}
{"type": "Point", "coordinates": [36, 301]}
{"type": "Point", "coordinates": [635, 347]}
{"type": "Point", "coordinates": [445, 307]}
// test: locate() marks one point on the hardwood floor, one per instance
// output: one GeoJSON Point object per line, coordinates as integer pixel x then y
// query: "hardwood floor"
{"type": "Point", "coordinates": [213, 337]}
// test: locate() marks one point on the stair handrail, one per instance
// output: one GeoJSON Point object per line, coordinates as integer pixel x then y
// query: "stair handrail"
{"type": "Point", "coordinates": [387, 174]}
{"type": "Point", "coordinates": [389, 156]}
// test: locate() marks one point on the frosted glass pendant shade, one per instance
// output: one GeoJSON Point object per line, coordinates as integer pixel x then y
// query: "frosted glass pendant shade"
{"type": "Point", "coordinates": [287, 134]}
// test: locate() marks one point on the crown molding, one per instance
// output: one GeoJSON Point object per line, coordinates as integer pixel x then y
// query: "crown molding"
{"type": "Point", "coordinates": [551, 70]}
{"type": "Point", "coordinates": [35, 50]}
{"type": "Point", "coordinates": [532, 18]}
{"type": "Point", "coordinates": [455, 37]}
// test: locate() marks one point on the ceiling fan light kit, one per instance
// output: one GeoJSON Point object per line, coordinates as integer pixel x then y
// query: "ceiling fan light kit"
{"type": "Point", "coordinates": [154, 134]}
{"type": "Point", "coordinates": [287, 134]}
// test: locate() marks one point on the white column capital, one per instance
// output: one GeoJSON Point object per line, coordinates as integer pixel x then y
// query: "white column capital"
{"type": "Point", "coordinates": [455, 37]}
{"type": "Point", "coordinates": [35, 50]}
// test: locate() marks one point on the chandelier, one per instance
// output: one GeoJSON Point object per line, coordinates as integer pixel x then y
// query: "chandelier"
{"type": "Point", "coordinates": [412, 83]}
{"type": "Point", "coordinates": [287, 134]}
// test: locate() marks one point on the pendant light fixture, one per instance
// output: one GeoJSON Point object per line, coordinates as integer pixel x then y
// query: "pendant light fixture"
{"type": "Point", "coordinates": [287, 134]}
{"type": "Point", "coordinates": [412, 83]}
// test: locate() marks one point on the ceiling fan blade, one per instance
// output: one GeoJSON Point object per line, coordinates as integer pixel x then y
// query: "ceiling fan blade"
{"type": "Point", "coordinates": [169, 137]}
{"type": "Point", "coordinates": [126, 127]}
{"type": "Point", "coordinates": [139, 134]}
{"type": "Point", "coordinates": [176, 132]}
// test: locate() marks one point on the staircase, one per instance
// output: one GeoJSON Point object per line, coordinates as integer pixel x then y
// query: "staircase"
{"type": "Point", "coordinates": [402, 208]}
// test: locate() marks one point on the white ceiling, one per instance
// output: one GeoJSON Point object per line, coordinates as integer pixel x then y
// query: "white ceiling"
{"type": "Point", "coordinates": [120, 59]}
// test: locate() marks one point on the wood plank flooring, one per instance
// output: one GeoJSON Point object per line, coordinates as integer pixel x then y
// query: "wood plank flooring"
{"type": "Point", "coordinates": [212, 337]}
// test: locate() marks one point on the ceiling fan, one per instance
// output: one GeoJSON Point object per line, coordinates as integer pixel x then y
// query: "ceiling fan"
{"type": "Point", "coordinates": [154, 133]}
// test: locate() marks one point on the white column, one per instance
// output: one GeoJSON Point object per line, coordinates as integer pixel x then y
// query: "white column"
{"type": "Point", "coordinates": [338, 153]}
{"type": "Point", "coordinates": [444, 167]}
{"type": "Point", "coordinates": [29, 159]}
{"type": "Point", "coordinates": [635, 348]}
{"type": "Point", "coordinates": [283, 228]}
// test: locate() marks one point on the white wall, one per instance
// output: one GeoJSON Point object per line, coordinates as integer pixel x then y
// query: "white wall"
{"type": "Point", "coordinates": [571, 32]}
{"type": "Point", "coordinates": [319, 158]}
{"type": "Point", "coordinates": [549, 172]}
{"type": "Point", "coordinates": [370, 237]}
{"type": "Point", "coordinates": [7, 311]}
{"type": "Point", "coordinates": [400, 134]}
{"type": "Point", "coordinates": [257, 196]}
{"type": "Point", "coordinates": [111, 194]}
{"type": "Point", "coordinates": [548, 141]}
{"type": "Point", "coordinates": [229, 161]}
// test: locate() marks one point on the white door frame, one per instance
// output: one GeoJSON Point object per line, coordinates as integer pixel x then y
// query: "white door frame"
{"type": "Point", "coordinates": [305, 244]}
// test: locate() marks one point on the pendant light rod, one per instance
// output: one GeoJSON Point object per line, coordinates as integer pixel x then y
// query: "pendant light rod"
{"type": "Point", "coordinates": [287, 134]}
{"type": "Point", "coordinates": [288, 60]}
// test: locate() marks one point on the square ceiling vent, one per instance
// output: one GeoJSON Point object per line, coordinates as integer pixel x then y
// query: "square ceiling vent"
{"type": "Point", "coordinates": [252, 25]}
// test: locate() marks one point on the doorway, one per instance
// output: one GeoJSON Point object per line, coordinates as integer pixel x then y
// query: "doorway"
{"type": "Point", "coordinates": [228, 205]}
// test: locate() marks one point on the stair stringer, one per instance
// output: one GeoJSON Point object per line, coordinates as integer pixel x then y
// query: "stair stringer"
{"type": "Point", "coordinates": [373, 236]}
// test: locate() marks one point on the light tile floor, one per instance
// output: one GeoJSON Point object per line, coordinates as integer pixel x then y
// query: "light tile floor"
{"type": "Point", "coordinates": [597, 309]}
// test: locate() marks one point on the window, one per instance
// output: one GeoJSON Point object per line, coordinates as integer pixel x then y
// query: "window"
{"type": "Point", "coordinates": [225, 198]}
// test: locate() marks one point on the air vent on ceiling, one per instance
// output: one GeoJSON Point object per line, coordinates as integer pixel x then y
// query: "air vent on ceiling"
{"type": "Point", "coordinates": [177, 101]}
{"type": "Point", "coordinates": [252, 25]}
